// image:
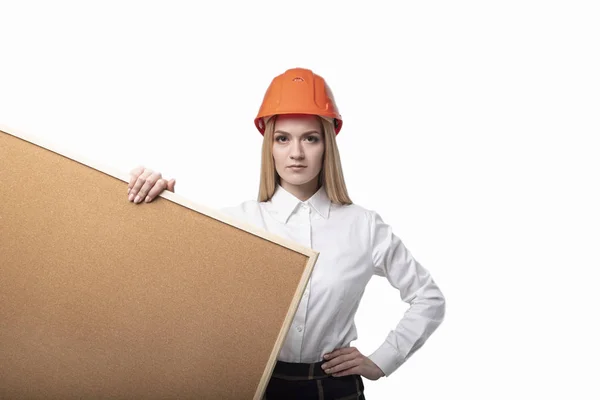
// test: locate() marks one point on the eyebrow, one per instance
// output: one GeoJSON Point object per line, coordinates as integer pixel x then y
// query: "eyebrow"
{"type": "Point", "coordinates": [305, 133]}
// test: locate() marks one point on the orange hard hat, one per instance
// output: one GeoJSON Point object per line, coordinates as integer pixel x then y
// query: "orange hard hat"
{"type": "Point", "coordinates": [298, 91]}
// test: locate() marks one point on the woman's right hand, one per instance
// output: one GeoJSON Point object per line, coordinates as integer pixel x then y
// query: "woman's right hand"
{"type": "Point", "coordinates": [145, 185]}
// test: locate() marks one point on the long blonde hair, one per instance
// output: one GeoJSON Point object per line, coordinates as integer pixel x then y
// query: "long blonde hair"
{"type": "Point", "coordinates": [331, 175]}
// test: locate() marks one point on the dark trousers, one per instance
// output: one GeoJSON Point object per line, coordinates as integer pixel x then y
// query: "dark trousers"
{"type": "Point", "coordinates": [291, 381]}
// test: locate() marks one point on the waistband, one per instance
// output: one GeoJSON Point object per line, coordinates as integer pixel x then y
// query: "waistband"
{"type": "Point", "coordinates": [299, 371]}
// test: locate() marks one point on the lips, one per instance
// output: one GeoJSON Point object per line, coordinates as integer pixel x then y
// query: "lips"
{"type": "Point", "coordinates": [297, 166]}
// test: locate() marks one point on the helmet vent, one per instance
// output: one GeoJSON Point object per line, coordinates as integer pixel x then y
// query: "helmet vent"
{"type": "Point", "coordinates": [298, 79]}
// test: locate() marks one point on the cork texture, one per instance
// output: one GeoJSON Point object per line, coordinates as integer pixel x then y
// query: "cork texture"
{"type": "Point", "coordinates": [101, 298]}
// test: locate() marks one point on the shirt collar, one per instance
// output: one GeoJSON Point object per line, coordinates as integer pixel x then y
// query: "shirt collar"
{"type": "Point", "coordinates": [283, 203]}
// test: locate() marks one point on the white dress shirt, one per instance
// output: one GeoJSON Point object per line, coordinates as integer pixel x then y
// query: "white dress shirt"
{"type": "Point", "coordinates": [354, 244]}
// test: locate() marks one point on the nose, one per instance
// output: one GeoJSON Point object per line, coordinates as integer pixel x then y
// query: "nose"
{"type": "Point", "coordinates": [296, 150]}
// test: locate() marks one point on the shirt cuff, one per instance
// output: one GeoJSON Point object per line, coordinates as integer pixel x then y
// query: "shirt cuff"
{"type": "Point", "coordinates": [387, 358]}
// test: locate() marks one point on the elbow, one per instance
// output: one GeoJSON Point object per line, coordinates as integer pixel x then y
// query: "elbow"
{"type": "Point", "coordinates": [437, 305]}
{"type": "Point", "coordinates": [438, 301]}
{"type": "Point", "coordinates": [441, 307]}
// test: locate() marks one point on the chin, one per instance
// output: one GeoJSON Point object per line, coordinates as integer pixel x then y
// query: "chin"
{"type": "Point", "coordinates": [296, 180]}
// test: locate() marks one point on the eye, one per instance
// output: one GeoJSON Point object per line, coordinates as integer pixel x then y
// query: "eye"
{"type": "Point", "coordinates": [280, 138]}
{"type": "Point", "coordinates": [313, 139]}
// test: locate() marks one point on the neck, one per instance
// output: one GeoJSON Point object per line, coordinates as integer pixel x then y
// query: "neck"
{"type": "Point", "coordinates": [302, 192]}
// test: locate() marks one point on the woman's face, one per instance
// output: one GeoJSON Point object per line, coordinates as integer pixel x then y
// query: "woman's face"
{"type": "Point", "coordinates": [298, 148]}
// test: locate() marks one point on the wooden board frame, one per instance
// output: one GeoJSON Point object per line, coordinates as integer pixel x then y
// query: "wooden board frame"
{"type": "Point", "coordinates": [8, 387]}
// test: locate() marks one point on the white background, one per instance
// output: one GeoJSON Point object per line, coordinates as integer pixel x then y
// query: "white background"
{"type": "Point", "coordinates": [472, 127]}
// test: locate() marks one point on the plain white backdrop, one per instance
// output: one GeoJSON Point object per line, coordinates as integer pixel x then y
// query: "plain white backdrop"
{"type": "Point", "coordinates": [472, 127]}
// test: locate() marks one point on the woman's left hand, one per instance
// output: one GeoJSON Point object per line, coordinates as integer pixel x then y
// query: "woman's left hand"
{"type": "Point", "coordinates": [350, 361]}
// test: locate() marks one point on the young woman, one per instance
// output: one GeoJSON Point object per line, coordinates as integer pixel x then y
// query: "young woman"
{"type": "Point", "coordinates": [303, 197]}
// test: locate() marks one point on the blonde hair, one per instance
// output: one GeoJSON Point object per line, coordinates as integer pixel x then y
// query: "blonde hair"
{"type": "Point", "coordinates": [331, 175]}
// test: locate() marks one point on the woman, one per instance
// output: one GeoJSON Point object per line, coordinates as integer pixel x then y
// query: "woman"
{"type": "Point", "coordinates": [303, 197]}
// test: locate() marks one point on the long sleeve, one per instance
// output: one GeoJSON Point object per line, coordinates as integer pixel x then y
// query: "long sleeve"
{"type": "Point", "coordinates": [417, 287]}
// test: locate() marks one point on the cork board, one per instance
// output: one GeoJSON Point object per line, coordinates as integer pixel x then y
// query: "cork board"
{"type": "Point", "coordinates": [101, 298]}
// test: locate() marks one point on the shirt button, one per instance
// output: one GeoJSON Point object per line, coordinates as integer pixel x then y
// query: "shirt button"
{"type": "Point", "coordinates": [299, 329]}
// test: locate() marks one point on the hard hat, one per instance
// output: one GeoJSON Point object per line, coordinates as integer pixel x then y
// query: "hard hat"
{"type": "Point", "coordinates": [298, 91]}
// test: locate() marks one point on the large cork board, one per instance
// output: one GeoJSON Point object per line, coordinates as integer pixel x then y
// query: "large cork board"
{"type": "Point", "coordinates": [101, 298]}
